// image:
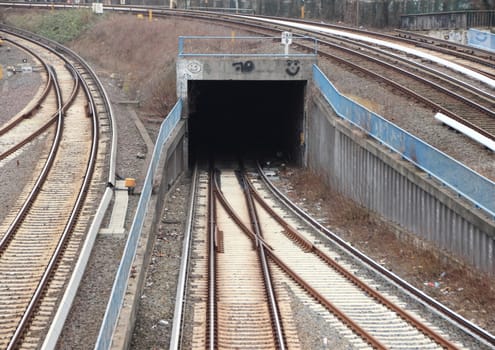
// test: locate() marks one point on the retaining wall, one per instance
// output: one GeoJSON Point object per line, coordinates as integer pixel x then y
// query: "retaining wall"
{"type": "Point", "coordinates": [380, 179]}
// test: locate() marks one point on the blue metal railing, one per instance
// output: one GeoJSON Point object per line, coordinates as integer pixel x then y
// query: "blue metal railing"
{"type": "Point", "coordinates": [464, 181]}
{"type": "Point", "coordinates": [224, 46]}
{"type": "Point", "coordinates": [120, 284]}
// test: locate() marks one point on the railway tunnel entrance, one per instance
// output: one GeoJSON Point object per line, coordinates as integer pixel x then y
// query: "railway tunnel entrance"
{"type": "Point", "coordinates": [245, 96]}
{"type": "Point", "coordinates": [261, 119]}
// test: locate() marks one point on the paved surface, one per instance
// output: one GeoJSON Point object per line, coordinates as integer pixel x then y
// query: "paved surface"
{"type": "Point", "coordinates": [119, 211]}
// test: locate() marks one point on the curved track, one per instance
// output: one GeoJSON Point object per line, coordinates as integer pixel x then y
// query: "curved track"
{"type": "Point", "coordinates": [243, 301]}
{"type": "Point", "coordinates": [443, 90]}
{"type": "Point", "coordinates": [437, 85]}
{"type": "Point", "coordinates": [40, 238]}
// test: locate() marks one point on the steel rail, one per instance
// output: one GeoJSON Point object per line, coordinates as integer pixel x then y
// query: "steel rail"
{"type": "Point", "coordinates": [251, 23]}
{"type": "Point", "coordinates": [52, 120]}
{"type": "Point", "coordinates": [157, 10]}
{"type": "Point", "coordinates": [178, 320]}
{"type": "Point", "coordinates": [41, 178]}
{"type": "Point", "coordinates": [486, 96]}
{"type": "Point", "coordinates": [413, 321]}
{"type": "Point", "coordinates": [415, 95]}
{"type": "Point", "coordinates": [272, 300]}
{"type": "Point", "coordinates": [212, 228]}
{"type": "Point", "coordinates": [11, 124]}
{"type": "Point", "coordinates": [470, 327]}
{"type": "Point", "coordinates": [20, 216]}
{"type": "Point", "coordinates": [75, 212]}
{"type": "Point", "coordinates": [69, 226]}
{"type": "Point", "coordinates": [476, 54]}
{"type": "Point", "coordinates": [427, 101]}
{"type": "Point", "coordinates": [92, 111]}
{"type": "Point", "coordinates": [54, 46]}
{"type": "Point", "coordinates": [443, 46]}
{"type": "Point", "coordinates": [236, 19]}
{"type": "Point", "coordinates": [61, 314]}
{"type": "Point", "coordinates": [315, 294]}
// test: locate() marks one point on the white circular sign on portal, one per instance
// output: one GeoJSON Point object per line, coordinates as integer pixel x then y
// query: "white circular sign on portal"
{"type": "Point", "coordinates": [194, 67]}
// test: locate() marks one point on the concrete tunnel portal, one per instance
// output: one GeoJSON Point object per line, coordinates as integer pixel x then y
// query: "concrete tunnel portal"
{"type": "Point", "coordinates": [255, 119]}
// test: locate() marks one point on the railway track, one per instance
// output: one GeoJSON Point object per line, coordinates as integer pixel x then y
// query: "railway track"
{"type": "Point", "coordinates": [451, 93]}
{"type": "Point", "coordinates": [43, 111]}
{"type": "Point", "coordinates": [450, 96]}
{"type": "Point", "coordinates": [42, 235]}
{"type": "Point", "coordinates": [442, 90]}
{"type": "Point", "coordinates": [482, 61]}
{"type": "Point", "coordinates": [242, 300]}
{"type": "Point", "coordinates": [227, 293]}
{"type": "Point", "coordinates": [361, 340]}
{"type": "Point", "coordinates": [480, 56]}
{"type": "Point", "coordinates": [38, 99]}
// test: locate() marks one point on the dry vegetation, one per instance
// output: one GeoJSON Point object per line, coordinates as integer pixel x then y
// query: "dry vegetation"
{"type": "Point", "coordinates": [142, 55]}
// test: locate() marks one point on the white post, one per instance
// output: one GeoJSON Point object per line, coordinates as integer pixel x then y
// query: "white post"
{"type": "Point", "coordinates": [286, 41]}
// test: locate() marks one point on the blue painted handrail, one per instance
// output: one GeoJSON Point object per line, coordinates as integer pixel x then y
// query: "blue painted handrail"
{"type": "Point", "coordinates": [464, 181]}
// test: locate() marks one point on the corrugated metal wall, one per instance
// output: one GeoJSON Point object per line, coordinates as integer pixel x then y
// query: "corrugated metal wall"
{"type": "Point", "coordinates": [382, 181]}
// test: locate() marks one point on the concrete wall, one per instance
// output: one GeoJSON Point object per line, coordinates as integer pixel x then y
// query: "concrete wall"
{"type": "Point", "coordinates": [242, 68]}
{"type": "Point", "coordinates": [380, 180]}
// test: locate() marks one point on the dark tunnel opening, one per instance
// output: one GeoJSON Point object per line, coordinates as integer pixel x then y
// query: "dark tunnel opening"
{"type": "Point", "coordinates": [255, 119]}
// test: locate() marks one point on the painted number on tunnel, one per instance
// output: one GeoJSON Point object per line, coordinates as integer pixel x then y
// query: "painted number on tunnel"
{"type": "Point", "coordinates": [244, 67]}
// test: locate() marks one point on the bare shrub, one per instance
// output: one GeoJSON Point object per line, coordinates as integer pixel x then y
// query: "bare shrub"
{"type": "Point", "coordinates": [162, 93]}
{"type": "Point", "coordinates": [340, 209]}
{"type": "Point", "coordinates": [143, 53]}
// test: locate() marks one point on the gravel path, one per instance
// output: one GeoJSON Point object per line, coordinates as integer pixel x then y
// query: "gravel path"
{"type": "Point", "coordinates": [16, 89]}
